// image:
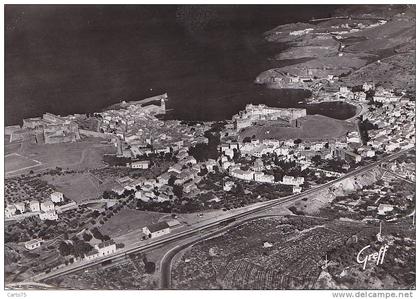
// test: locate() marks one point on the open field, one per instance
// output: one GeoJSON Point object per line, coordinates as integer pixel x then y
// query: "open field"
{"type": "Point", "coordinates": [77, 186]}
{"type": "Point", "coordinates": [10, 148]}
{"type": "Point", "coordinates": [313, 127]}
{"type": "Point", "coordinates": [84, 154]}
{"type": "Point", "coordinates": [128, 220]}
{"type": "Point", "coordinates": [15, 162]}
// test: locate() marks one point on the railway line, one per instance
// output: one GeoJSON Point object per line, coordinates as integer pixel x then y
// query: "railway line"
{"type": "Point", "coordinates": [204, 227]}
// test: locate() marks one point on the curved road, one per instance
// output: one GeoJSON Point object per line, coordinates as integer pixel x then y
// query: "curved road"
{"type": "Point", "coordinates": [166, 262]}
{"type": "Point", "coordinates": [205, 226]}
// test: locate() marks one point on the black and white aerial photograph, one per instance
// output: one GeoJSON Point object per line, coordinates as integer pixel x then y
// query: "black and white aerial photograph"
{"type": "Point", "coordinates": [209, 147]}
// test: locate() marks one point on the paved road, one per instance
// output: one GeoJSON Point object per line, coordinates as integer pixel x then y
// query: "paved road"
{"type": "Point", "coordinates": [166, 262]}
{"type": "Point", "coordinates": [204, 226]}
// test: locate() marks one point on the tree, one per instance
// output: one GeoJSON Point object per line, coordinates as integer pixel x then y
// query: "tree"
{"type": "Point", "coordinates": [172, 180]}
{"type": "Point", "coordinates": [96, 233]}
{"type": "Point", "coordinates": [87, 237]}
{"type": "Point", "coordinates": [65, 249]}
{"type": "Point", "coordinates": [199, 152]}
{"type": "Point", "coordinates": [246, 140]}
{"type": "Point", "coordinates": [316, 159]}
{"type": "Point", "coordinates": [203, 171]}
{"type": "Point", "coordinates": [150, 267]}
{"type": "Point", "coordinates": [178, 190]}
{"type": "Point", "coordinates": [239, 189]}
{"type": "Point", "coordinates": [81, 248]}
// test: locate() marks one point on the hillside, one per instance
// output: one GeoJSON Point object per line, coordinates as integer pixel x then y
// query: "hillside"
{"type": "Point", "coordinates": [359, 44]}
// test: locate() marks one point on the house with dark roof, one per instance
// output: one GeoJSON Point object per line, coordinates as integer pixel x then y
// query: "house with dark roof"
{"type": "Point", "coordinates": [156, 230]}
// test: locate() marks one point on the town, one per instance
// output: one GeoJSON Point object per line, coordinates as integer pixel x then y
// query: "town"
{"type": "Point", "coordinates": [277, 196]}
{"type": "Point", "coordinates": [225, 154]}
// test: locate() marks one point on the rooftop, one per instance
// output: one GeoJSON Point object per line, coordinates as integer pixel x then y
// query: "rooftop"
{"type": "Point", "coordinates": [157, 226]}
{"type": "Point", "coordinates": [106, 244]}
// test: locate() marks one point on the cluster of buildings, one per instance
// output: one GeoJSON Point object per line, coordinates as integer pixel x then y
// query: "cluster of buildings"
{"type": "Point", "coordinates": [47, 129]}
{"type": "Point", "coordinates": [355, 27]}
{"type": "Point", "coordinates": [139, 133]}
{"type": "Point", "coordinates": [378, 201]}
{"type": "Point", "coordinates": [46, 210]}
{"type": "Point", "coordinates": [187, 172]}
{"type": "Point", "coordinates": [255, 113]}
{"type": "Point", "coordinates": [394, 123]}
{"type": "Point", "coordinates": [289, 151]}
{"type": "Point", "coordinates": [261, 177]}
{"type": "Point", "coordinates": [352, 27]}
{"type": "Point", "coordinates": [407, 170]}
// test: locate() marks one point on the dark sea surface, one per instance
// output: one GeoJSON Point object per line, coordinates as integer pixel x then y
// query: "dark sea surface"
{"type": "Point", "coordinates": [82, 58]}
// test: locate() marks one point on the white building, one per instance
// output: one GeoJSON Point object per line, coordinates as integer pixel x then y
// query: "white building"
{"type": "Point", "coordinates": [34, 206]}
{"type": "Point", "coordinates": [263, 178]}
{"type": "Point", "coordinates": [289, 180]}
{"type": "Point", "coordinates": [47, 205]}
{"type": "Point", "coordinates": [50, 215]}
{"type": "Point", "coordinates": [32, 244]}
{"type": "Point", "coordinates": [210, 163]}
{"type": "Point", "coordinates": [106, 248]}
{"type": "Point", "coordinates": [140, 164]}
{"type": "Point", "coordinates": [93, 254]}
{"type": "Point", "coordinates": [353, 137]}
{"type": "Point", "coordinates": [391, 146]}
{"type": "Point", "coordinates": [157, 229]}
{"type": "Point", "coordinates": [10, 211]}
{"type": "Point", "coordinates": [344, 89]}
{"type": "Point", "coordinates": [226, 164]}
{"type": "Point", "coordinates": [367, 86]}
{"type": "Point", "coordinates": [162, 198]}
{"type": "Point", "coordinates": [384, 208]}
{"type": "Point", "coordinates": [57, 197]}
{"type": "Point", "coordinates": [242, 174]}
{"type": "Point", "coordinates": [297, 189]}
{"type": "Point", "coordinates": [229, 153]}
{"type": "Point", "coordinates": [228, 185]}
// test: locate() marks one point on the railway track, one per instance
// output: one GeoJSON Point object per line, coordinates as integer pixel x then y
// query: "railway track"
{"type": "Point", "coordinates": [203, 228]}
